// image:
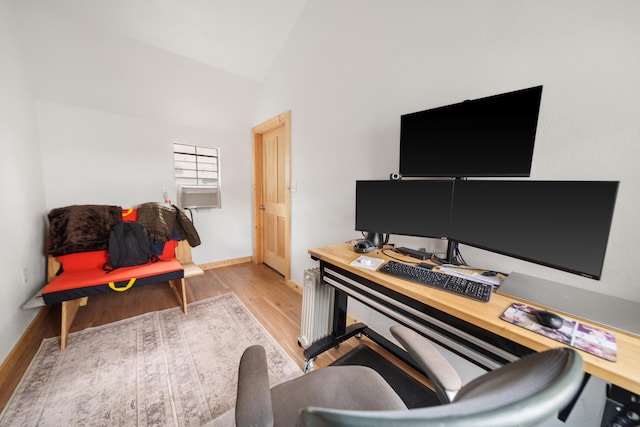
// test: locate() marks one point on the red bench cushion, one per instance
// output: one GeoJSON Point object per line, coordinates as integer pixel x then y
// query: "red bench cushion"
{"type": "Point", "coordinates": [72, 284]}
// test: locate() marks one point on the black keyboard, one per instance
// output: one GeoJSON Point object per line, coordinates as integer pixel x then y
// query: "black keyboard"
{"type": "Point", "coordinates": [424, 276]}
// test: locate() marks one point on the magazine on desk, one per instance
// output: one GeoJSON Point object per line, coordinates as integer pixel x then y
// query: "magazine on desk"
{"type": "Point", "coordinates": [588, 338]}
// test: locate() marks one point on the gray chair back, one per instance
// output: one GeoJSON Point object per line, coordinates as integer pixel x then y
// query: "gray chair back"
{"type": "Point", "coordinates": [521, 393]}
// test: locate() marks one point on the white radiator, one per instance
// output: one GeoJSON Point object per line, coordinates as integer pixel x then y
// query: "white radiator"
{"type": "Point", "coordinates": [317, 308]}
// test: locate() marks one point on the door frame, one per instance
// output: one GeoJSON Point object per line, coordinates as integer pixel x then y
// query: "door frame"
{"type": "Point", "coordinates": [281, 120]}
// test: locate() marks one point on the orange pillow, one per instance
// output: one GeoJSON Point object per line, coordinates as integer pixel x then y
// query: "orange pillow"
{"type": "Point", "coordinates": [169, 251]}
{"type": "Point", "coordinates": [96, 259]}
{"type": "Point", "coordinates": [83, 260]}
{"type": "Point", "coordinates": [130, 215]}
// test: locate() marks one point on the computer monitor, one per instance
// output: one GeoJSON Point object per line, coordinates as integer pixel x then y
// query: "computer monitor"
{"type": "Point", "coordinates": [486, 137]}
{"type": "Point", "coordinates": [407, 207]}
{"type": "Point", "coordinates": [560, 224]}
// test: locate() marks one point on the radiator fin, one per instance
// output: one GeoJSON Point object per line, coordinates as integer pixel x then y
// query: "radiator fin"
{"type": "Point", "coordinates": [317, 308]}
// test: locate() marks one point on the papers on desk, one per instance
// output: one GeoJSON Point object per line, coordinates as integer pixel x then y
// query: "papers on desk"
{"type": "Point", "coordinates": [471, 273]}
{"type": "Point", "coordinates": [367, 262]}
{"type": "Point", "coordinates": [591, 339]}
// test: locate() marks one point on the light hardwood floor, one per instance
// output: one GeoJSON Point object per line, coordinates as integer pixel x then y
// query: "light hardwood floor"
{"type": "Point", "coordinates": [274, 303]}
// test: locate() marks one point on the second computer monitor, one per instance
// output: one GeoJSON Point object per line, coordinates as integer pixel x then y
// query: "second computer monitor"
{"type": "Point", "coordinates": [413, 208]}
{"type": "Point", "coordinates": [560, 224]}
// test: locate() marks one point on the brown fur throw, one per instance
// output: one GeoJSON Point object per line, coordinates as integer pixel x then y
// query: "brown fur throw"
{"type": "Point", "coordinates": [186, 228]}
{"type": "Point", "coordinates": [81, 228]}
{"type": "Point", "coordinates": [161, 221]}
{"type": "Point", "coordinates": [158, 219]}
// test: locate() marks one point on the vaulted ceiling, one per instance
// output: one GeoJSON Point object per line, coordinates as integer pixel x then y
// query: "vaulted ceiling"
{"type": "Point", "coordinates": [239, 36]}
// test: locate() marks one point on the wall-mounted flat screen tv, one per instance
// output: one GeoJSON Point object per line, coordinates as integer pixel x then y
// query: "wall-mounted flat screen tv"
{"type": "Point", "coordinates": [486, 137]}
{"type": "Point", "coordinates": [559, 224]}
{"type": "Point", "coordinates": [412, 207]}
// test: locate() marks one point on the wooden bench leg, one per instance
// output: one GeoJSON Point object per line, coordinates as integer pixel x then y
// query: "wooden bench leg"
{"type": "Point", "coordinates": [69, 310]}
{"type": "Point", "coordinates": [182, 292]}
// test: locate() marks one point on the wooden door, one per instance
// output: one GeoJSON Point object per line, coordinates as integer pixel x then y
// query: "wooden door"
{"type": "Point", "coordinates": [272, 193]}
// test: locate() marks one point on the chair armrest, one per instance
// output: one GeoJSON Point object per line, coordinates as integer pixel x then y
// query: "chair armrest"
{"type": "Point", "coordinates": [444, 377]}
{"type": "Point", "coordinates": [253, 401]}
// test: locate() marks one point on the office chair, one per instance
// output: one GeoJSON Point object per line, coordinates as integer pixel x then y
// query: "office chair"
{"type": "Point", "coordinates": [522, 393]}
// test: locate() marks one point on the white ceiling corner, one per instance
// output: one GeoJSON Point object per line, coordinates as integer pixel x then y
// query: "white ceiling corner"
{"type": "Point", "coordinates": [243, 37]}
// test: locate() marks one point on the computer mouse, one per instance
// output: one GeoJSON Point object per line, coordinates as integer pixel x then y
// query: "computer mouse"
{"type": "Point", "coordinates": [548, 319]}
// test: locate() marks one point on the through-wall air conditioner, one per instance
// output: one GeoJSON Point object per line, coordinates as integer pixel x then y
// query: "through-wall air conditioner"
{"type": "Point", "coordinates": [198, 196]}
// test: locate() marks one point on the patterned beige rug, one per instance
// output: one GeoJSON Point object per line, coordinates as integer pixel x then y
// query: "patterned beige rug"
{"type": "Point", "coordinates": [157, 369]}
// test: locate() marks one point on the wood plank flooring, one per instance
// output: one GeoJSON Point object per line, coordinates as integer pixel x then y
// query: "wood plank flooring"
{"type": "Point", "coordinates": [274, 303]}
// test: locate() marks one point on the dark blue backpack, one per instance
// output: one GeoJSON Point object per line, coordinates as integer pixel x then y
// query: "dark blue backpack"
{"type": "Point", "coordinates": [128, 245]}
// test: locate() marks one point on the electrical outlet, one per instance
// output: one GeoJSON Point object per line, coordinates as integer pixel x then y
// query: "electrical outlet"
{"type": "Point", "coordinates": [165, 194]}
{"type": "Point", "coordinates": [25, 277]}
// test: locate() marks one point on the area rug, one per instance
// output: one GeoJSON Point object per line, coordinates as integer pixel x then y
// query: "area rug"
{"type": "Point", "coordinates": [412, 392]}
{"type": "Point", "coordinates": [157, 369]}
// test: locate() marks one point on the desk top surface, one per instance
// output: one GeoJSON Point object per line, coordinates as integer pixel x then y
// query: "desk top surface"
{"type": "Point", "coordinates": [625, 372]}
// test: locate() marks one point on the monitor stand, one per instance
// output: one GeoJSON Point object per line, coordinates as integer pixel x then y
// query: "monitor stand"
{"type": "Point", "coordinates": [607, 310]}
{"type": "Point", "coordinates": [377, 239]}
{"type": "Point", "coordinates": [451, 252]}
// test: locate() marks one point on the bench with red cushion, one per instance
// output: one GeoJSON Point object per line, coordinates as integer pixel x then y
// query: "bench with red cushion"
{"type": "Point", "coordinates": [77, 276]}
{"type": "Point", "coordinates": [83, 275]}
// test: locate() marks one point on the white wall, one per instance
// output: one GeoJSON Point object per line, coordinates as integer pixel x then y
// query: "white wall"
{"type": "Point", "coordinates": [21, 186]}
{"type": "Point", "coordinates": [109, 109]}
{"type": "Point", "coordinates": [350, 69]}
{"type": "Point", "coordinates": [95, 157]}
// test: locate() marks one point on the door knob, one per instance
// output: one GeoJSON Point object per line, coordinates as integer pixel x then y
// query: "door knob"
{"type": "Point", "coordinates": [262, 207]}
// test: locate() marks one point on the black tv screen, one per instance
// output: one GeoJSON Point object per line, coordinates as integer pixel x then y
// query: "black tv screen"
{"type": "Point", "coordinates": [560, 224]}
{"type": "Point", "coordinates": [413, 208]}
{"type": "Point", "coordinates": [486, 137]}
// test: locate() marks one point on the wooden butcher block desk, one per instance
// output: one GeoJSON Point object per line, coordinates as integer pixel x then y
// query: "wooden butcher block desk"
{"type": "Point", "coordinates": [470, 328]}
